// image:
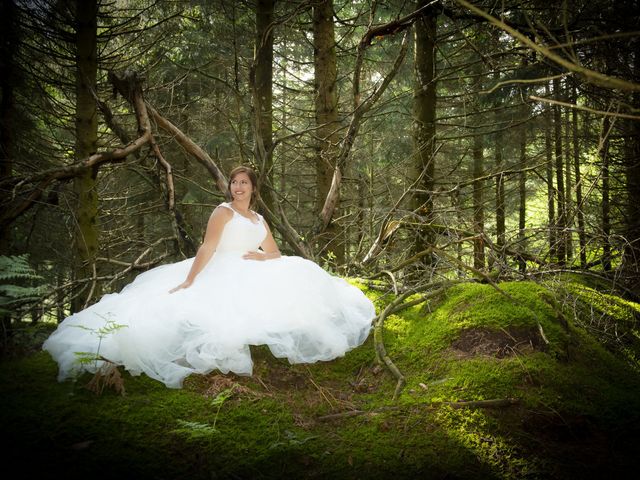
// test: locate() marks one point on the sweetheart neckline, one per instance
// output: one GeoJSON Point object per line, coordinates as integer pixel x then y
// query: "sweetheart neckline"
{"type": "Point", "coordinates": [258, 222]}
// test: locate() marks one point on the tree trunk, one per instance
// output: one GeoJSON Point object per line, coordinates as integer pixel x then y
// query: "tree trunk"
{"type": "Point", "coordinates": [582, 239]}
{"type": "Point", "coordinates": [568, 186]}
{"type": "Point", "coordinates": [478, 208]}
{"type": "Point", "coordinates": [500, 207]}
{"type": "Point", "coordinates": [424, 117]}
{"type": "Point", "coordinates": [8, 46]}
{"type": "Point", "coordinates": [562, 207]}
{"type": "Point", "coordinates": [522, 190]}
{"type": "Point", "coordinates": [84, 186]}
{"type": "Point", "coordinates": [551, 215]}
{"type": "Point", "coordinates": [263, 96]}
{"type": "Point", "coordinates": [606, 209]}
{"type": "Point", "coordinates": [326, 113]}
{"type": "Point", "coordinates": [632, 161]}
{"type": "Point", "coordinates": [8, 43]}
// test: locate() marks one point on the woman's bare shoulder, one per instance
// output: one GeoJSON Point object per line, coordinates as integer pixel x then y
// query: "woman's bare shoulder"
{"type": "Point", "coordinates": [222, 212]}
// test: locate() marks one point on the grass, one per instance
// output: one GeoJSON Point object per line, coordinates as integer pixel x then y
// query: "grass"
{"type": "Point", "coordinates": [576, 413]}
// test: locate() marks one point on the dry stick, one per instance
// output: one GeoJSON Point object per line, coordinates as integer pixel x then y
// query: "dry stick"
{"type": "Point", "coordinates": [191, 147]}
{"type": "Point", "coordinates": [94, 283]}
{"type": "Point", "coordinates": [360, 108]}
{"type": "Point", "coordinates": [385, 232]}
{"type": "Point", "coordinates": [586, 109]}
{"type": "Point", "coordinates": [289, 234]}
{"type": "Point", "coordinates": [381, 352]}
{"type": "Point", "coordinates": [135, 97]}
{"type": "Point", "coordinates": [590, 76]}
{"type": "Point", "coordinates": [489, 403]}
{"type": "Point", "coordinates": [426, 296]}
{"type": "Point", "coordinates": [521, 80]}
{"type": "Point", "coordinates": [64, 173]}
{"type": "Point", "coordinates": [320, 389]}
{"type": "Point", "coordinates": [492, 403]}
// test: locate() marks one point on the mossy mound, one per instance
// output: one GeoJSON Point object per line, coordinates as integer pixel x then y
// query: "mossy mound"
{"type": "Point", "coordinates": [514, 382]}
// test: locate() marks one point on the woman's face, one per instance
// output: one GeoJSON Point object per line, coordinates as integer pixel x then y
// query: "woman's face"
{"type": "Point", "coordinates": [241, 187]}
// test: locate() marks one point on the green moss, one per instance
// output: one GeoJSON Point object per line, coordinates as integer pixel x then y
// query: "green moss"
{"type": "Point", "coordinates": [270, 425]}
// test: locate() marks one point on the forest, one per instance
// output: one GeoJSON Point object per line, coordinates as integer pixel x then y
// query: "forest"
{"type": "Point", "coordinates": [472, 165]}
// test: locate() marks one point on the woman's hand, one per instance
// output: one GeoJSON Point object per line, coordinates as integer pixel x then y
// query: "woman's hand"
{"type": "Point", "coordinates": [255, 256]}
{"type": "Point", "coordinates": [185, 284]}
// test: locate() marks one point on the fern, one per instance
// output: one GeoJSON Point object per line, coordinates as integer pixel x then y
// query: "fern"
{"type": "Point", "coordinates": [16, 269]}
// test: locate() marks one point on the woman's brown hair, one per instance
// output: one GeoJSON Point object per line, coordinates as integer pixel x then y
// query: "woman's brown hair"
{"type": "Point", "coordinates": [254, 183]}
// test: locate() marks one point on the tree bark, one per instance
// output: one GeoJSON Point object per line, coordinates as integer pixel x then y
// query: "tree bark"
{"type": "Point", "coordinates": [568, 187]}
{"type": "Point", "coordinates": [326, 117]}
{"type": "Point", "coordinates": [500, 205]}
{"type": "Point", "coordinates": [562, 207]}
{"type": "Point", "coordinates": [8, 45]}
{"type": "Point", "coordinates": [582, 239]}
{"type": "Point", "coordinates": [522, 194]}
{"type": "Point", "coordinates": [606, 208]}
{"type": "Point", "coordinates": [263, 96]}
{"type": "Point", "coordinates": [478, 207]}
{"type": "Point", "coordinates": [424, 112]}
{"type": "Point", "coordinates": [551, 215]}
{"type": "Point", "coordinates": [632, 164]}
{"type": "Point", "coordinates": [86, 237]}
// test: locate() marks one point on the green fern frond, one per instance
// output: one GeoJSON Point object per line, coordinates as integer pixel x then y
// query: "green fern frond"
{"type": "Point", "coordinates": [16, 268]}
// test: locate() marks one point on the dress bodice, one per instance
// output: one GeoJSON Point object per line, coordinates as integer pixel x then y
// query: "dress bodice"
{"type": "Point", "coordinates": [241, 234]}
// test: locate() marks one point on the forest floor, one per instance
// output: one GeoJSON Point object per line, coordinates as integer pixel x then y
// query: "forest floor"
{"type": "Point", "coordinates": [543, 382]}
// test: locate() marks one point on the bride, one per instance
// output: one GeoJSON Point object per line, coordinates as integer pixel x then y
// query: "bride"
{"type": "Point", "coordinates": [237, 291]}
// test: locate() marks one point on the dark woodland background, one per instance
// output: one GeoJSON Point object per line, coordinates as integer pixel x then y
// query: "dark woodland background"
{"type": "Point", "coordinates": [417, 142]}
{"type": "Point", "coordinates": [472, 165]}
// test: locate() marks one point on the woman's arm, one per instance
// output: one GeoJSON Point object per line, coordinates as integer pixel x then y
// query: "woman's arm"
{"type": "Point", "coordinates": [215, 226]}
{"type": "Point", "coordinates": [269, 247]}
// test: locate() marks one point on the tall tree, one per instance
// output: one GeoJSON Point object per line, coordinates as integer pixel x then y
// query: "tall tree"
{"type": "Point", "coordinates": [582, 240]}
{"type": "Point", "coordinates": [8, 47]}
{"type": "Point", "coordinates": [561, 221]}
{"type": "Point", "coordinates": [522, 195]}
{"type": "Point", "coordinates": [424, 119]}
{"type": "Point", "coordinates": [551, 215]}
{"type": "Point", "coordinates": [84, 185]}
{"type": "Point", "coordinates": [263, 95]}
{"type": "Point", "coordinates": [606, 193]}
{"type": "Point", "coordinates": [500, 199]}
{"type": "Point", "coordinates": [478, 206]}
{"type": "Point", "coordinates": [632, 164]}
{"type": "Point", "coordinates": [326, 117]}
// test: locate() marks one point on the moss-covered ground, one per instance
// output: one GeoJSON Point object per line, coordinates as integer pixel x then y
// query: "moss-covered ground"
{"type": "Point", "coordinates": [561, 359]}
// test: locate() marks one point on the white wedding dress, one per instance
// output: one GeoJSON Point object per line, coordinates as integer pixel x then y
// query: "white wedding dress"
{"type": "Point", "coordinates": [291, 304]}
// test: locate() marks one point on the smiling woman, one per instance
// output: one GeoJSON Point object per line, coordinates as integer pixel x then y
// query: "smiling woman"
{"type": "Point", "coordinates": [237, 291]}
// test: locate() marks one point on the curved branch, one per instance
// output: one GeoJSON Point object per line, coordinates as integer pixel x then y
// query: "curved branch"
{"type": "Point", "coordinates": [334, 191]}
{"type": "Point", "coordinates": [589, 75]}
{"type": "Point", "coordinates": [191, 147]}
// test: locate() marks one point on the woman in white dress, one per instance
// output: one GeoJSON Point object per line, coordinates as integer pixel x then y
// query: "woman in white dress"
{"type": "Point", "coordinates": [237, 291]}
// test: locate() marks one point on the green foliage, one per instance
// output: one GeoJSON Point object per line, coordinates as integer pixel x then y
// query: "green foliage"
{"type": "Point", "coordinates": [17, 289]}
{"type": "Point", "coordinates": [110, 326]}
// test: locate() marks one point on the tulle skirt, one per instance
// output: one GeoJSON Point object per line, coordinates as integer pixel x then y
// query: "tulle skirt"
{"type": "Point", "coordinates": [290, 304]}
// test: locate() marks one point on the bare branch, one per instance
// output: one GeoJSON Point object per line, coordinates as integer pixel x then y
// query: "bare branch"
{"type": "Point", "coordinates": [590, 76]}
